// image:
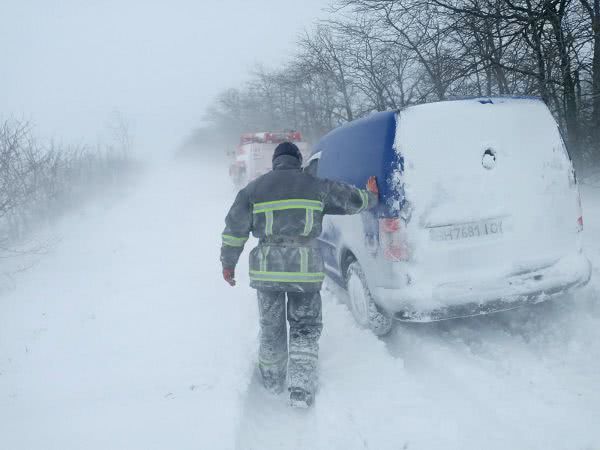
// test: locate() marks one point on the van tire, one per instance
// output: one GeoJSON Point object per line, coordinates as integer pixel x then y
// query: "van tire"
{"type": "Point", "coordinates": [366, 312]}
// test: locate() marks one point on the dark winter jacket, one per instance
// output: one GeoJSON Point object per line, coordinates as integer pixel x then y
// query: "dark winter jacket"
{"type": "Point", "coordinates": [284, 209]}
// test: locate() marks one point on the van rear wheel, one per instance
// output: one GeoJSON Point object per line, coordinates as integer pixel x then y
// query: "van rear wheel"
{"type": "Point", "coordinates": [360, 301]}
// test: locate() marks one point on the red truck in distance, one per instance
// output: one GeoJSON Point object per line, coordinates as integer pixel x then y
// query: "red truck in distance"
{"type": "Point", "coordinates": [252, 157]}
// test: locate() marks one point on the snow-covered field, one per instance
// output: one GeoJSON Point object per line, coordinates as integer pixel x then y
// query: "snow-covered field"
{"type": "Point", "coordinates": [125, 337]}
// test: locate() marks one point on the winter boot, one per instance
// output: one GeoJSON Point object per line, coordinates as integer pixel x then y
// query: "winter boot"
{"type": "Point", "coordinates": [299, 398]}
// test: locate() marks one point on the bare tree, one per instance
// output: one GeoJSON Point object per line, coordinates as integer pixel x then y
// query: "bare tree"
{"type": "Point", "coordinates": [328, 55]}
{"type": "Point", "coordinates": [381, 54]}
{"type": "Point", "coordinates": [38, 183]}
{"type": "Point", "coordinates": [592, 9]}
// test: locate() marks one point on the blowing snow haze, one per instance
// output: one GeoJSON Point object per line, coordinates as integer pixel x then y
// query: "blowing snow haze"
{"type": "Point", "coordinates": [69, 64]}
{"type": "Point", "coordinates": [459, 307]}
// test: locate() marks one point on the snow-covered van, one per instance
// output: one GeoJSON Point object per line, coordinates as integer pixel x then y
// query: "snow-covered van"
{"type": "Point", "coordinates": [480, 210]}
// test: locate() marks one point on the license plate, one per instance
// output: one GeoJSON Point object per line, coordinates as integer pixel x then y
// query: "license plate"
{"type": "Point", "coordinates": [471, 230]}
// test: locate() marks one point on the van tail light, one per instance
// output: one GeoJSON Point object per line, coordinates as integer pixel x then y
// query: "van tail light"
{"type": "Point", "coordinates": [392, 239]}
{"type": "Point", "coordinates": [579, 210]}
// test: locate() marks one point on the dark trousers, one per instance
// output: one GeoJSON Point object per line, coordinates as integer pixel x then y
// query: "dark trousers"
{"type": "Point", "coordinates": [304, 317]}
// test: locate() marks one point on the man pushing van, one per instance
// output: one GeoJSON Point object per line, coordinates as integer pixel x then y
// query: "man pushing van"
{"type": "Point", "coordinates": [284, 209]}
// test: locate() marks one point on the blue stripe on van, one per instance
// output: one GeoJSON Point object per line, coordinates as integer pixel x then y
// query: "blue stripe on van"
{"type": "Point", "coordinates": [359, 149]}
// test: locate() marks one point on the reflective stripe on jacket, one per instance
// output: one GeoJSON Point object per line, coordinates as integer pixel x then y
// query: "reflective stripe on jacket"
{"type": "Point", "coordinates": [284, 209]}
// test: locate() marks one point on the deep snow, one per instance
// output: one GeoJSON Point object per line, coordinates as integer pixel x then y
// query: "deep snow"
{"type": "Point", "coordinates": [124, 336]}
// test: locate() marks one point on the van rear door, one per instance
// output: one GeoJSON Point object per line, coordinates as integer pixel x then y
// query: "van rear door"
{"type": "Point", "coordinates": [491, 188]}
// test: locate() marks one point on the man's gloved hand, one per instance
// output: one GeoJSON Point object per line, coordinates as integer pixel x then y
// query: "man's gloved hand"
{"type": "Point", "coordinates": [229, 276]}
{"type": "Point", "coordinates": [372, 185]}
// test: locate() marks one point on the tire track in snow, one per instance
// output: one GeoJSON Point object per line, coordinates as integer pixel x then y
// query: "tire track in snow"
{"type": "Point", "coordinates": [522, 373]}
{"type": "Point", "coordinates": [520, 379]}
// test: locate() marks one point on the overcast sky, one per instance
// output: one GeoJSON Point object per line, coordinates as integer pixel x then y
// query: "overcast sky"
{"type": "Point", "coordinates": [66, 65]}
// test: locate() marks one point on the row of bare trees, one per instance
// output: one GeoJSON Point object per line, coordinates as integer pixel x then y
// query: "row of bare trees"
{"type": "Point", "coordinates": [39, 183]}
{"type": "Point", "coordinates": [383, 54]}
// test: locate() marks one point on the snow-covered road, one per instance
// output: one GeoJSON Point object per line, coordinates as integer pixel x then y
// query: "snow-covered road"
{"type": "Point", "coordinates": [125, 337]}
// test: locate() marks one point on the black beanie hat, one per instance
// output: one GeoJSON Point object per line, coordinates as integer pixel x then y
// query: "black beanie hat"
{"type": "Point", "coordinates": [287, 148]}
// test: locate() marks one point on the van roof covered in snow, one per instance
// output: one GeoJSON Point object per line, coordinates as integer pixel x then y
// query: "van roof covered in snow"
{"type": "Point", "coordinates": [367, 146]}
{"type": "Point", "coordinates": [492, 99]}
